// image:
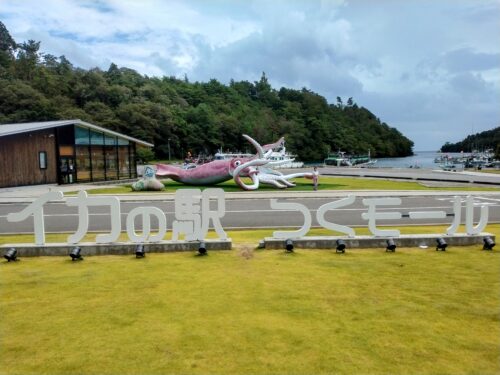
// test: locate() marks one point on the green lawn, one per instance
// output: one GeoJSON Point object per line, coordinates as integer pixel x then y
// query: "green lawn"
{"type": "Point", "coordinates": [251, 311]}
{"type": "Point", "coordinates": [326, 183]}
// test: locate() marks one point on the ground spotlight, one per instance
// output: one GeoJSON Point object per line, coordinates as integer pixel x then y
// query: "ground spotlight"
{"type": "Point", "coordinates": [140, 252]}
{"type": "Point", "coordinates": [75, 254]}
{"type": "Point", "coordinates": [289, 246]}
{"type": "Point", "coordinates": [340, 246]}
{"type": "Point", "coordinates": [441, 244]}
{"type": "Point", "coordinates": [11, 255]}
{"type": "Point", "coordinates": [202, 249]}
{"type": "Point", "coordinates": [391, 245]}
{"type": "Point", "coordinates": [489, 244]}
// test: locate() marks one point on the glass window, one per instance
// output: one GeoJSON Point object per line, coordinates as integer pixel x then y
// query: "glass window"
{"type": "Point", "coordinates": [83, 170]}
{"type": "Point", "coordinates": [97, 156]}
{"type": "Point", "coordinates": [109, 141]}
{"type": "Point", "coordinates": [111, 157]}
{"type": "Point", "coordinates": [123, 162]}
{"type": "Point", "coordinates": [42, 159]}
{"type": "Point", "coordinates": [81, 136]}
{"type": "Point", "coordinates": [96, 138]}
{"type": "Point", "coordinates": [122, 142]}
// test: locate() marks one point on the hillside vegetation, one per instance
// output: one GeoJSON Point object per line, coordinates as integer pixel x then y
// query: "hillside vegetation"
{"type": "Point", "coordinates": [489, 139]}
{"type": "Point", "coordinates": [194, 116]}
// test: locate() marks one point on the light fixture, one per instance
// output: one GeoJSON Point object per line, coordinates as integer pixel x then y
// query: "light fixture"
{"type": "Point", "coordinates": [340, 246]}
{"type": "Point", "coordinates": [75, 254]}
{"type": "Point", "coordinates": [202, 249]}
{"type": "Point", "coordinates": [391, 245]}
{"type": "Point", "coordinates": [11, 255]}
{"type": "Point", "coordinates": [441, 244]}
{"type": "Point", "coordinates": [489, 244]}
{"type": "Point", "coordinates": [289, 246]}
{"type": "Point", "coordinates": [140, 252]}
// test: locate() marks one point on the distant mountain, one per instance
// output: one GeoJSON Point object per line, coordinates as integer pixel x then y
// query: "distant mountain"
{"type": "Point", "coordinates": [489, 139]}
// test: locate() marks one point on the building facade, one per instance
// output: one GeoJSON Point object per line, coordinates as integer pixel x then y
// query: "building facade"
{"type": "Point", "coordinates": [65, 152]}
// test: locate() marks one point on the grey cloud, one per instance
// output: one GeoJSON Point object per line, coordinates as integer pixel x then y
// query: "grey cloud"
{"type": "Point", "coordinates": [466, 59]}
{"type": "Point", "coordinates": [469, 84]}
{"type": "Point", "coordinates": [294, 56]}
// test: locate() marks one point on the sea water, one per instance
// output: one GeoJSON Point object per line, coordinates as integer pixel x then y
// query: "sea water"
{"type": "Point", "coordinates": [421, 159]}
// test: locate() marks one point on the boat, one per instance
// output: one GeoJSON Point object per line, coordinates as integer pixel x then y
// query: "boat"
{"type": "Point", "coordinates": [475, 159]}
{"type": "Point", "coordinates": [231, 155]}
{"type": "Point", "coordinates": [284, 159]}
{"type": "Point", "coordinates": [338, 159]}
{"type": "Point", "coordinates": [451, 167]}
{"type": "Point", "coordinates": [341, 159]}
{"type": "Point", "coordinates": [280, 157]}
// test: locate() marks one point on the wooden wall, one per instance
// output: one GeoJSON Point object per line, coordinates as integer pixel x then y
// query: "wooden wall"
{"type": "Point", "coordinates": [19, 159]}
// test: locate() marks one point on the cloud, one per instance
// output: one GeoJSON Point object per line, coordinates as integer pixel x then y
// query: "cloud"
{"type": "Point", "coordinates": [466, 59]}
{"type": "Point", "coordinates": [429, 68]}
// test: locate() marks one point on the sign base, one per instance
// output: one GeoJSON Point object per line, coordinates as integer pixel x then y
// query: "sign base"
{"type": "Point", "coordinates": [118, 248]}
{"type": "Point", "coordinates": [363, 242]}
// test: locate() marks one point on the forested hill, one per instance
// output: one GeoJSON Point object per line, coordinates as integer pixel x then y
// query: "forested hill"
{"type": "Point", "coordinates": [195, 116]}
{"type": "Point", "coordinates": [489, 139]}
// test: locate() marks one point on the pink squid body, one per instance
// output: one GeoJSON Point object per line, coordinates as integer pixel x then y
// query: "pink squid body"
{"type": "Point", "coordinates": [215, 172]}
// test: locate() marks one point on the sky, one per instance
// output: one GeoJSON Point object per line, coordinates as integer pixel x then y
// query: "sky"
{"type": "Point", "coordinates": [430, 68]}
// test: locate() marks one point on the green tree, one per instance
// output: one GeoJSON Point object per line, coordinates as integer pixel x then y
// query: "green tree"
{"type": "Point", "coordinates": [144, 155]}
{"type": "Point", "coordinates": [7, 48]}
{"type": "Point", "coordinates": [27, 60]}
{"type": "Point", "coordinates": [196, 116]}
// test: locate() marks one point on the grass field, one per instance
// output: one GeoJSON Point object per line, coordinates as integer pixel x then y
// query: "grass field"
{"type": "Point", "coordinates": [326, 183]}
{"type": "Point", "coordinates": [251, 311]}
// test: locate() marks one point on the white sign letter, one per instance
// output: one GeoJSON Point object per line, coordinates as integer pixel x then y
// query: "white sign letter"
{"type": "Point", "coordinates": [83, 202]}
{"type": "Point", "coordinates": [206, 214]}
{"type": "Point", "coordinates": [469, 217]}
{"type": "Point", "coordinates": [372, 215]}
{"type": "Point", "coordinates": [146, 213]}
{"type": "Point", "coordinates": [295, 207]}
{"type": "Point", "coordinates": [320, 215]}
{"type": "Point", "coordinates": [187, 214]}
{"type": "Point", "coordinates": [457, 211]}
{"type": "Point", "coordinates": [36, 208]}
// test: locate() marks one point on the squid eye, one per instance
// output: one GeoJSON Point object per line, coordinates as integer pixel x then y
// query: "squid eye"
{"type": "Point", "coordinates": [237, 163]}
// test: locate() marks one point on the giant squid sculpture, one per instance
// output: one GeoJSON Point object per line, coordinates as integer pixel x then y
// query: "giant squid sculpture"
{"type": "Point", "coordinates": [257, 168]}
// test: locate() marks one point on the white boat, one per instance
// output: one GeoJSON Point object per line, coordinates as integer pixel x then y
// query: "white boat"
{"type": "Point", "coordinates": [279, 157]}
{"type": "Point", "coordinates": [451, 167]}
{"type": "Point", "coordinates": [231, 155]}
{"type": "Point", "coordinates": [283, 159]}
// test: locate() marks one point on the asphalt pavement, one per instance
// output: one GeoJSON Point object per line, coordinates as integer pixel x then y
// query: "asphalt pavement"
{"type": "Point", "coordinates": [417, 174]}
{"type": "Point", "coordinates": [253, 209]}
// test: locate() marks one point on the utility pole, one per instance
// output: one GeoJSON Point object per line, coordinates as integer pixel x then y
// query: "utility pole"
{"type": "Point", "coordinates": [169, 149]}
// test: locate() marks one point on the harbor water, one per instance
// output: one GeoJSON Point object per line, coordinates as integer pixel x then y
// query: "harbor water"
{"type": "Point", "coordinates": [421, 159]}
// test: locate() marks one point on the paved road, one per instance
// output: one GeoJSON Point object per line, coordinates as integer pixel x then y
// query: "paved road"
{"type": "Point", "coordinates": [248, 213]}
{"type": "Point", "coordinates": [415, 174]}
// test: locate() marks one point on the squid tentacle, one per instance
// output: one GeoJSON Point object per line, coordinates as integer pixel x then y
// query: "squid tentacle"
{"type": "Point", "coordinates": [258, 147]}
{"type": "Point", "coordinates": [253, 173]}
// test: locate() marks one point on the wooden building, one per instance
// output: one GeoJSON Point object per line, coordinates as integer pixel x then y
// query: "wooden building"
{"type": "Point", "coordinates": [65, 152]}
